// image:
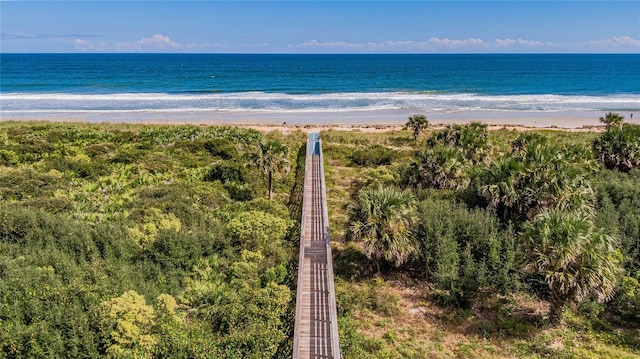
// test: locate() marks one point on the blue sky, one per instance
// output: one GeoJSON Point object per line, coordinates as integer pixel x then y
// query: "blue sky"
{"type": "Point", "coordinates": [321, 26]}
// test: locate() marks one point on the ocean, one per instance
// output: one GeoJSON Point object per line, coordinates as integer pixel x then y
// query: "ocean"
{"type": "Point", "coordinates": [33, 85]}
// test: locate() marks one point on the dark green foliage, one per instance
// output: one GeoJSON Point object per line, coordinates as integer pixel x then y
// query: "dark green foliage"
{"type": "Point", "coordinates": [612, 119]}
{"type": "Point", "coordinates": [99, 150]}
{"type": "Point", "coordinates": [226, 171]}
{"type": "Point", "coordinates": [442, 167]}
{"type": "Point", "coordinates": [240, 191]}
{"type": "Point", "coordinates": [88, 213]}
{"type": "Point", "coordinates": [48, 284]}
{"type": "Point", "coordinates": [375, 155]}
{"type": "Point", "coordinates": [222, 148]}
{"type": "Point", "coordinates": [8, 158]}
{"type": "Point", "coordinates": [297, 192]}
{"type": "Point", "coordinates": [25, 184]}
{"type": "Point", "coordinates": [535, 176]}
{"type": "Point", "coordinates": [447, 161]}
{"type": "Point", "coordinates": [576, 260]}
{"type": "Point", "coordinates": [625, 305]}
{"type": "Point", "coordinates": [271, 157]}
{"type": "Point", "coordinates": [78, 168]}
{"type": "Point", "coordinates": [619, 212]}
{"type": "Point", "coordinates": [619, 147]}
{"type": "Point", "coordinates": [417, 123]}
{"type": "Point", "coordinates": [464, 251]}
{"type": "Point", "coordinates": [472, 140]}
{"type": "Point", "coordinates": [128, 154]}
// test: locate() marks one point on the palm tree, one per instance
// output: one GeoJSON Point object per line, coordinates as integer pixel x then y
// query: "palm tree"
{"type": "Point", "coordinates": [442, 167]}
{"type": "Point", "coordinates": [474, 139]}
{"type": "Point", "coordinates": [612, 119]}
{"type": "Point", "coordinates": [500, 186]}
{"type": "Point", "coordinates": [272, 158]}
{"type": "Point", "coordinates": [619, 147]}
{"type": "Point", "coordinates": [417, 123]}
{"type": "Point", "coordinates": [532, 178]}
{"type": "Point", "coordinates": [382, 219]}
{"type": "Point", "coordinates": [575, 261]}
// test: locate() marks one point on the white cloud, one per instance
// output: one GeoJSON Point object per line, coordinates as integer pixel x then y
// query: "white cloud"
{"type": "Point", "coordinates": [83, 45]}
{"type": "Point", "coordinates": [330, 45]}
{"type": "Point", "coordinates": [431, 45]}
{"type": "Point", "coordinates": [456, 44]}
{"type": "Point", "coordinates": [161, 43]}
{"type": "Point", "coordinates": [155, 43]}
{"type": "Point", "coordinates": [436, 44]}
{"type": "Point", "coordinates": [613, 43]}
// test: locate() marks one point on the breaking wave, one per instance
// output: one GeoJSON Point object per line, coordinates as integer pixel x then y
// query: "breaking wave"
{"type": "Point", "coordinates": [334, 102]}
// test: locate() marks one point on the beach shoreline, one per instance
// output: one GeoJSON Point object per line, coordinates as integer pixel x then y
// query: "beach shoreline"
{"type": "Point", "coordinates": [364, 120]}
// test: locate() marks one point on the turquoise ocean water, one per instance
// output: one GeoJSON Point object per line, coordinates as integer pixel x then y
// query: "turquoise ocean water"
{"type": "Point", "coordinates": [416, 83]}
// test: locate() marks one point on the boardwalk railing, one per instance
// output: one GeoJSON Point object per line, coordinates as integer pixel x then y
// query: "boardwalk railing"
{"type": "Point", "coordinates": [316, 325]}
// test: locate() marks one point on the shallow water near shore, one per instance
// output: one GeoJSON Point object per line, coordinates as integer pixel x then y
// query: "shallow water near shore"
{"type": "Point", "coordinates": [532, 90]}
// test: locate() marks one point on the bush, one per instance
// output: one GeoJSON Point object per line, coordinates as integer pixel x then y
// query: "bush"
{"type": "Point", "coordinates": [240, 191]}
{"type": "Point", "coordinates": [619, 147]}
{"type": "Point", "coordinates": [27, 183]}
{"type": "Point", "coordinates": [226, 172]}
{"type": "Point", "coordinates": [222, 148]}
{"type": "Point", "coordinates": [78, 167]}
{"type": "Point", "coordinates": [626, 302]}
{"type": "Point", "coordinates": [463, 251]}
{"type": "Point", "coordinates": [8, 158]}
{"type": "Point", "coordinates": [375, 155]}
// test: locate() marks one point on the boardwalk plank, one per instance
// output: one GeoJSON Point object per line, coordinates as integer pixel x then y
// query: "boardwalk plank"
{"type": "Point", "coordinates": [316, 328]}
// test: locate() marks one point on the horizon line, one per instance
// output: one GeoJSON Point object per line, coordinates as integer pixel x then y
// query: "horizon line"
{"type": "Point", "coordinates": [319, 53]}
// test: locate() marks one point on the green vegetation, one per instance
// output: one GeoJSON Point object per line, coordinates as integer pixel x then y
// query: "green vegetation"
{"type": "Point", "coordinates": [381, 218]}
{"type": "Point", "coordinates": [179, 241]}
{"type": "Point", "coordinates": [612, 119]}
{"type": "Point", "coordinates": [417, 123]}
{"type": "Point", "coordinates": [127, 241]}
{"type": "Point", "coordinates": [522, 244]}
{"type": "Point", "coordinates": [272, 158]}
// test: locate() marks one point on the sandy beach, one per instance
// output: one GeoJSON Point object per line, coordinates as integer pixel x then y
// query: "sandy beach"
{"type": "Point", "coordinates": [365, 120]}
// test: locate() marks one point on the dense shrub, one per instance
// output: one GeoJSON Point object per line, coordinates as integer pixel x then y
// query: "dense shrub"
{"type": "Point", "coordinates": [375, 155]}
{"type": "Point", "coordinates": [618, 211]}
{"type": "Point", "coordinates": [226, 171]}
{"type": "Point", "coordinates": [222, 148]}
{"type": "Point", "coordinates": [8, 158]}
{"type": "Point", "coordinates": [464, 251]}
{"type": "Point", "coordinates": [471, 140]}
{"type": "Point", "coordinates": [442, 167]}
{"type": "Point", "coordinates": [619, 147]}
{"type": "Point", "coordinates": [26, 184]}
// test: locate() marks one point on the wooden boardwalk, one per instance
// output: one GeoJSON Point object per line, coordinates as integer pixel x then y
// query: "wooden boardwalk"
{"type": "Point", "coordinates": [316, 326]}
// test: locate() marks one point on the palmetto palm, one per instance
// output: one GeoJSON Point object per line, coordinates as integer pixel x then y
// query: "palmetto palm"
{"type": "Point", "coordinates": [576, 261]}
{"type": "Point", "coordinates": [534, 177]}
{"type": "Point", "coordinates": [272, 158]}
{"type": "Point", "coordinates": [500, 186]}
{"type": "Point", "coordinates": [382, 219]}
{"type": "Point", "coordinates": [417, 123]}
{"type": "Point", "coordinates": [442, 167]}
{"type": "Point", "coordinates": [619, 147]}
{"type": "Point", "coordinates": [612, 119]}
{"type": "Point", "coordinates": [474, 139]}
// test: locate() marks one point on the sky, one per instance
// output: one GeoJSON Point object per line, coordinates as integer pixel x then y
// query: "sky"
{"type": "Point", "coordinates": [320, 26]}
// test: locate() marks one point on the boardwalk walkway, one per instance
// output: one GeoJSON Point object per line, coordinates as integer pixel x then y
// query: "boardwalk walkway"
{"type": "Point", "coordinates": [316, 327]}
